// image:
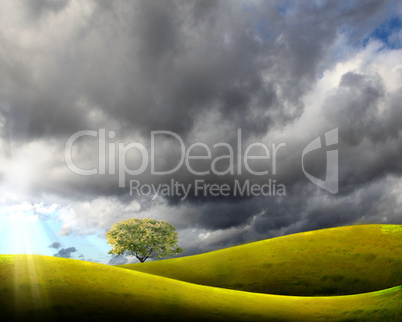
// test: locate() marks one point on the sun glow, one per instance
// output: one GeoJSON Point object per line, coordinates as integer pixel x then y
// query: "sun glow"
{"type": "Point", "coordinates": [22, 231]}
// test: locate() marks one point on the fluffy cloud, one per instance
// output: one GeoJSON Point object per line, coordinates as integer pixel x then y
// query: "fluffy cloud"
{"type": "Point", "coordinates": [55, 245]}
{"type": "Point", "coordinates": [118, 260]}
{"type": "Point", "coordinates": [65, 252]}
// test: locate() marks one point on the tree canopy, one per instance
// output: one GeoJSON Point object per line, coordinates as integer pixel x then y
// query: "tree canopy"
{"type": "Point", "coordinates": [143, 238]}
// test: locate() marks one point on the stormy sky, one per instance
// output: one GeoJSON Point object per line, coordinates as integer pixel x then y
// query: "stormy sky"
{"type": "Point", "coordinates": [223, 80]}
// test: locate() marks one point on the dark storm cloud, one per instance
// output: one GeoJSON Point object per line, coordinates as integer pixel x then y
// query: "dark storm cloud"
{"type": "Point", "coordinates": [36, 8]}
{"type": "Point", "coordinates": [55, 245]}
{"type": "Point", "coordinates": [204, 69]}
{"type": "Point", "coordinates": [65, 252]}
{"type": "Point", "coordinates": [160, 65]}
{"type": "Point", "coordinates": [118, 260]}
{"type": "Point", "coordinates": [370, 144]}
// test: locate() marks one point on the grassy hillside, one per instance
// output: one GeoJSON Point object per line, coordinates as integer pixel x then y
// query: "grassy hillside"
{"type": "Point", "coordinates": [345, 260]}
{"type": "Point", "coordinates": [40, 288]}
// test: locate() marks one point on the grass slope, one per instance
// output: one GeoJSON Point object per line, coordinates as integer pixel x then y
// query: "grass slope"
{"type": "Point", "coordinates": [336, 261]}
{"type": "Point", "coordinates": [40, 288]}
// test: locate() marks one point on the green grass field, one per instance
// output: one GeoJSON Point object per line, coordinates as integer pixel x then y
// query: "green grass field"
{"type": "Point", "coordinates": [336, 261]}
{"type": "Point", "coordinates": [41, 288]}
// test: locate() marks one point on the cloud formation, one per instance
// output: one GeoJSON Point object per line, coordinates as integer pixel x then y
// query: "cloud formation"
{"type": "Point", "coordinates": [55, 245]}
{"type": "Point", "coordinates": [118, 260]}
{"type": "Point", "coordinates": [65, 252]}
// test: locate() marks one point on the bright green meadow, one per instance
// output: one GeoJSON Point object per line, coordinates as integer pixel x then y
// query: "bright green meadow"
{"type": "Point", "coordinates": [336, 261]}
{"type": "Point", "coordinates": [41, 288]}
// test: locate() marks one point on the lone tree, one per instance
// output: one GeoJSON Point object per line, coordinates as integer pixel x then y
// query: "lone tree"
{"type": "Point", "coordinates": [143, 238]}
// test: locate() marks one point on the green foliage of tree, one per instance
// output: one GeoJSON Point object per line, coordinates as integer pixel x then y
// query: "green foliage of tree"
{"type": "Point", "coordinates": [143, 238]}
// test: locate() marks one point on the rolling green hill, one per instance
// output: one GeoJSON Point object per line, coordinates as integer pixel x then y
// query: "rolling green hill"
{"type": "Point", "coordinates": [40, 288]}
{"type": "Point", "coordinates": [336, 261]}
